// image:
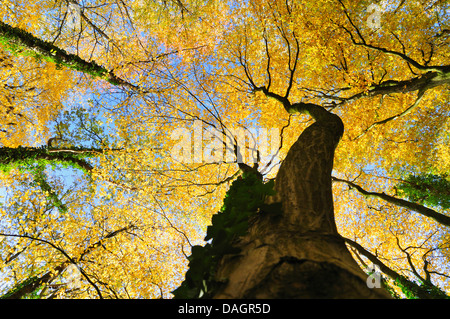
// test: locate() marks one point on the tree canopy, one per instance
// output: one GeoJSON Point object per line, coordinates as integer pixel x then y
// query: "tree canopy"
{"type": "Point", "coordinates": [125, 123]}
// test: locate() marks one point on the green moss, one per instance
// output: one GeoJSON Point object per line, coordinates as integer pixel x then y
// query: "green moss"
{"type": "Point", "coordinates": [423, 290]}
{"type": "Point", "coordinates": [40, 180]}
{"type": "Point", "coordinates": [27, 157]}
{"type": "Point", "coordinates": [242, 202]}
{"type": "Point", "coordinates": [28, 282]}
{"type": "Point", "coordinates": [20, 42]}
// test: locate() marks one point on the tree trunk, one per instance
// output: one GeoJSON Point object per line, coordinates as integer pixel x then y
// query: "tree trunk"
{"type": "Point", "coordinates": [13, 157]}
{"type": "Point", "coordinates": [17, 40]}
{"type": "Point", "coordinates": [297, 252]}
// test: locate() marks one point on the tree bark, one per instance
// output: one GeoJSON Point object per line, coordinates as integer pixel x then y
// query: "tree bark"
{"type": "Point", "coordinates": [20, 41]}
{"type": "Point", "coordinates": [296, 251]}
{"type": "Point", "coordinates": [11, 157]}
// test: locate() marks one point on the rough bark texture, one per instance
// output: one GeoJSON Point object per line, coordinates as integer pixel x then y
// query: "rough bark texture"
{"type": "Point", "coordinates": [297, 252]}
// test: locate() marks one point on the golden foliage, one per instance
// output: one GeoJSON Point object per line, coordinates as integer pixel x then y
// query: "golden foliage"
{"type": "Point", "coordinates": [201, 58]}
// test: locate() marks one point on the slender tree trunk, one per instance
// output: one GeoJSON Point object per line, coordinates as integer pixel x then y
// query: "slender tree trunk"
{"type": "Point", "coordinates": [20, 41]}
{"type": "Point", "coordinates": [297, 252]}
{"type": "Point", "coordinates": [11, 157]}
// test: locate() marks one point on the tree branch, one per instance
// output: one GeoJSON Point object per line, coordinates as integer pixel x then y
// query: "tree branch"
{"type": "Point", "coordinates": [33, 283]}
{"type": "Point", "coordinates": [403, 113]}
{"type": "Point", "coordinates": [70, 259]}
{"type": "Point", "coordinates": [403, 56]}
{"type": "Point", "coordinates": [425, 211]}
{"type": "Point", "coordinates": [21, 42]}
{"type": "Point", "coordinates": [419, 291]}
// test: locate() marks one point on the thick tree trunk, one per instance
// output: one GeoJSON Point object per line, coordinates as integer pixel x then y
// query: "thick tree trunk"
{"type": "Point", "coordinates": [297, 252]}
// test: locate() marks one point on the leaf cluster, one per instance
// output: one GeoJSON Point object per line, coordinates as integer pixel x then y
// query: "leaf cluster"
{"type": "Point", "coordinates": [241, 203]}
{"type": "Point", "coordinates": [430, 189]}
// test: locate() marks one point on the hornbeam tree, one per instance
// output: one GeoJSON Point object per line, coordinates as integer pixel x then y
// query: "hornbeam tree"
{"type": "Point", "coordinates": [358, 100]}
{"type": "Point", "coordinates": [297, 252]}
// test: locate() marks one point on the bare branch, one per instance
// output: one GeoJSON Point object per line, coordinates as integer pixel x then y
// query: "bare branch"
{"type": "Point", "coordinates": [403, 113]}
{"type": "Point", "coordinates": [425, 211]}
{"type": "Point", "coordinates": [363, 42]}
{"type": "Point", "coordinates": [69, 258]}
